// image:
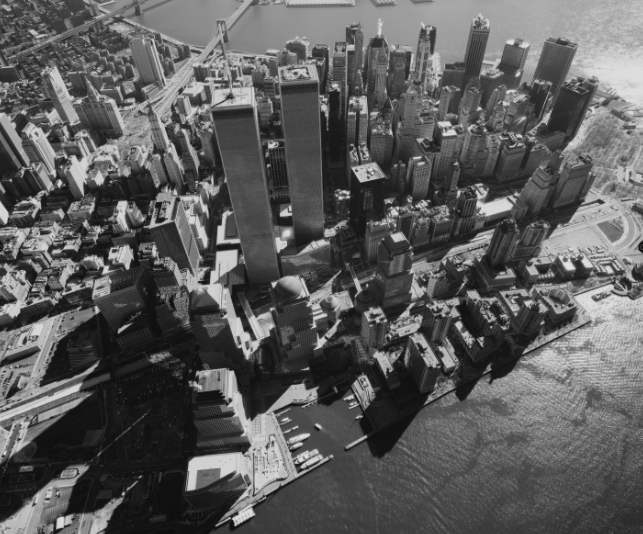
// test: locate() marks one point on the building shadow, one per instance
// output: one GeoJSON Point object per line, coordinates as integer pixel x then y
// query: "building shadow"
{"type": "Point", "coordinates": [383, 442]}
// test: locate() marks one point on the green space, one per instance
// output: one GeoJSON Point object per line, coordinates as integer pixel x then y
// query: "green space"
{"type": "Point", "coordinates": [613, 232]}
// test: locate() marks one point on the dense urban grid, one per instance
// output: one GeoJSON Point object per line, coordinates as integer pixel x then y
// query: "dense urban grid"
{"type": "Point", "coordinates": [193, 245]}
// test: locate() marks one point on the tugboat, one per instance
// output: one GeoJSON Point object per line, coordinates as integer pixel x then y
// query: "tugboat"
{"type": "Point", "coordinates": [349, 398]}
{"type": "Point", "coordinates": [297, 439]}
{"type": "Point", "coordinates": [353, 405]}
{"type": "Point", "coordinates": [309, 463]}
{"type": "Point", "coordinates": [301, 458]}
{"type": "Point", "coordinates": [359, 417]}
{"type": "Point", "coordinates": [318, 426]}
{"type": "Point", "coordinates": [296, 446]}
{"type": "Point", "coordinates": [285, 421]}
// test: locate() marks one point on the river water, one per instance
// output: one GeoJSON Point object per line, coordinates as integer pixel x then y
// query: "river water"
{"type": "Point", "coordinates": [608, 31]}
{"type": "Point", "coordinates": [555, 445]}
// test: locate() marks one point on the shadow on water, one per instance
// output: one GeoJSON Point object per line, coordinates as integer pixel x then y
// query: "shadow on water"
{"type": "Point", "coordinates": [383, 442]}
{"type": "Point", "coordinates": [501, 370]}
{"type": "Point", "coordinates": [465, 390]}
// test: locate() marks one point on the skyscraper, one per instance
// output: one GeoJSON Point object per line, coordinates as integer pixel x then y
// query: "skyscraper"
{"type": "Point", "coordinates": [170, 229]}
{"type": "Point", "coordinates": [555, 62]}
{"type": "Point", "coordinates": [490, 80]}
{"type": "Point", "coordinates": [56, 90]}
{"type": "Point", "coordinates": [423, 364]}
{"type": "Point", "coordinates": [367, 195]}
{"type": "Point", "coordinates": [375, 45]}
{"type": "Point", "coordinates": [11, 145]}
{"type": "Point", "coordinates": [570, 108]}
{"type": "Point", "coordinates": [237, 129]}
{"type": "Point", "coordinates": [502, 243]}
{"type": "Point", "coordinates": [394, 277]}
{"type": "Point", "coordinates": [340, 74]}
{"type": "Point", "coordinates": [159, 134]}
{"type": "Point", "coordinates": [100, 114]}
{"type": "Point", "coordinates": [536, 190]}
{"type": "Point", "coordinates": [437, 319]}
{"type": "Point", "coordinates": [476, 47]}
{"type": "Point", "coordinates": [399, 67]}
{"type": "Point", "coordinates": [374, 327]}
{"type": "Point", "coordinates": [512, 63]}
{"type": "Point", "coordinates": [76, 176]}
{"type": "Point", "coordinates": [146, 59]}
{"type": "Point", "coordinates": [37, 147]}
{"type": "Point", "coordinates": [300, 47]}
{"type": "Point", "coordinates": [425, 50]}
{"type": "Point", "coordinates": [302, 136]}
{"type": "Point", "coordinates": [355, 36]}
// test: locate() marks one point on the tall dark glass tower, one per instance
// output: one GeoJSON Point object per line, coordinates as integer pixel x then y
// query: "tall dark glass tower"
{"type": "Point", "coordinates": [476, 47]}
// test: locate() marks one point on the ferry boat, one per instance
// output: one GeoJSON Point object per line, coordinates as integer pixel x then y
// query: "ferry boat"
{"type": "Point", "coordinates": [318, 426]}
{"type": "Point", "coordinates": [349, 398]}
{"type": "Point", "coordinates": [359, 417]}
{"type": "Point", "coordinates": [296, 446]}
{"type": "Point", "coordinates": [301, 458]}
{"type": "Point", "coordinates": [309, 463]}
{"type": "Point", "coordinates": [298, 438]}
{"type": "Point", "coordinates": [291, 429]}
{"type": "Point", "coordinates": [285, 421]}
{"type": "Point", "coordinates": [601, 296]}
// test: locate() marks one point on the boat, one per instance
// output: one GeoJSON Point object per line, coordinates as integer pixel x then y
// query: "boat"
{"type": "Point", "coordinates": [243, 516]}
{"type": "Point", "coordinates": [285, 421]}
{"type": "Point", "coordinates": [297, 439]}
{"type": "Point", "coordinates": [318, 426]}
{"type": "Point", "coordinates": [301, 458]}
{"type": "Point", "coordinates": [296, 446]}
{"type": "Point", "coordinates": [359, 417]}
{"type": "Point", "coordinates": [291, 429]}
{"type": "Point", "coordinates": [353, 405]}
{"type": "Point", "coordinates": [309, 463]}
{"type": "Point", "coordinates": [349, 398]}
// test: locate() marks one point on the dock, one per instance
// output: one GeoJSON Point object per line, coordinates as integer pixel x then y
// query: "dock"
{"type": "Point", "coordinates": [383, 3]}
{"type": "Point", "coordinates": [322, 462]}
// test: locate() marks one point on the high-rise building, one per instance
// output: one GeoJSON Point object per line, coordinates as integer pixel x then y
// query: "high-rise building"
{"type": "Point", "coordinates": [293, 316]}
{"type": "Point", "coordinates": [490, 80]}
{"type": "Point", "coordinates": [38, 148]}
{"type": "Point", "coordinates": [300, 47]}
{"type": "Point", "coordinates": [419, 172]}
{"type": "Point", "coordinates": [446, 97]}
{"type": "Point", "coordinates": [574, 181]}
{"type": "Point", "coordinates": [381, 142]}
{"type": "Point", "coordinates": [340, 74]}
{"type": "Point", "coordinates": [394, 277]}
{"type": "Point", "coordinates": [367, 195]}
{"type": "Point", "coordinates": [216, 328]}
{"type": "Point", "coordinates": [301, 126]}
{"type": "Point", "coordinates": [160, 138]}
{"type": "Point", "coordinates": [437, 319]}
{"type": "Point", "coordinates": [237, 130]}
{"type": "Point", "coordinates": [399, 67]}
{"type": "Point", "coordinates": [56, 89]}
{"type": "Point", "coordinates": [535, 192]}
{"type": "Point", "coordinates": [510, 159]}
{"type": "Point", "coordinates": [320, 51]}
{"type": "Point", "coordinates": [512, 63]}
{"type": "Point", "coordinates": [76, 177]}
{"type": "Point", "coordinates": [355, 36]}
{"type": "Point", "coordinates": [425, 50]}
{"type": "Point", "coordinates": [120, 294]}
{"type": "Point", "coordinates": [170, 230]}
{"type": "Point", "coordinates": [570, 108]}
{"type": "Point", "coordinates": [375, 232]}
{"type": "Point", "coordinates": [423, 364]}
{"type": "Point", "coordinates": [374, 327]}
{"type": "Point", "coordinates": [539, 94]}
{"type": "Point", "coordinates": [11, 150]}
{"type": "Point", "coordinates": [476, 47]}
{"type": "Point", "coordinates": [471, 98]}
{"type": "Point", "coordinates": [146, 59]}
{"type": "Point", "coordinates": [502, 243]}
{"type": "Point", "coordinates": [376, 45]}
{"type": "Point", "coordinates": [531, 240]}
{"type": "Point", "coordinates": [100, 114]}
{"type": "Point", "coordinates": [555, 62]}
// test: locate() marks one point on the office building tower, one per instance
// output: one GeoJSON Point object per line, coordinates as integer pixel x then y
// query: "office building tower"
{"type": "Point", "coordinates": [37, 147]}
{"type": "Point", "coordinates": [340, 74]}
{"type": "Point", "coordinates": [447, 94]}
{"type": "Point", "coordinates": [12, 155]}
{"type": "Point", "coordinates": [407, 131]}
{"type": "Point", "coordinates": [160, 138]}
{"type": "Point", "coordinates": [217, 329]}
{"type": "Point", "coordinates": [355, 37]}
{"type": "Point", "coordinates": [376, 45]}
{"type": "Point", "coordinates": [419, 172]}
{"type": "Point", "coordinates": [471, 98]}
{"type": "Point", "coordinates": [570, 108]}
{"type": "Point", "coordinates": [467, 203]}
{"type": "Point", "coordinates": [423, 364]}
{"type": "Point", "coordinates": [378, 97]}
{"type": "Point", "coordinates": [398, 69]}
{"type": "Point", "coordinates": [425, 51]}
{"type": "Point", "coordinates": [445, 137]}
{"type": "Point", "coordinates": [170, 230]}
{"type": "Point", "coordinates": [320, 51]}
{"type": "Point", "coordinates": [56, 89]}
{"type": "Point", "coordinates": [510, 159]}
{"type": "Point", "coordinates": [502, 244]}
{"type": "Point", "coordinates": [555, 62]}
{"type": "Point", "coordinates": [147, 62]}
{"type": "Point", "coordinates": [293, 317]}
{"type": "Point", "coordinates": [437, 318]}
{"type": "Point", "coordinates": [394, 277]}
{"type": "Point", "coordinates": [381, 143]}
{"type": "Point", "coordinates": [75, 176]}
{"type": "Point", "coordinates": [237, 130]}
{"type": "Point", "coordinates": [490, 80]}
{"type": "Point", "coordinates": [531, 240]}
{"type": "Point", "coordinates": [301, 126]}
{"type": "Point", "coordinates": [539, 94]}
{"type": "Point", "coordinates": [357, 120]}
{"type": "Point", "coordinates": [452, 177]}
{"type": "Point", "coordinates": [215, 481]}
{"type": "Point", "coordinates": [300, 47]}
{"type": "Point", "coordinates": [374, 327]}
{"type": "Point", "coordinates": [574, 181]}
{"type": "Point", "coordinates": [336, 123]}
{"type": "Point", "coordinates": [100, 113]}
{"type": "Point", "coordinates": [375, 232]}
{"type": "Point", "coordinates": [120, 294]}
{"type": "Point", "coordinates": [512, 63]}
{"type": "Point", "coordinates": [218, 412]}
{"type": "Point", "coordinates": [173, 169]}
{"type": "Point", "coordinates": [367, 195]}
{"type": "Point", "coordinates": [528, 320]}
{"type": "Point", "coordinates": [476, 47]}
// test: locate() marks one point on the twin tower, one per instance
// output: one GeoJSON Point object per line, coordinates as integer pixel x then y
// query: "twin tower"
{"type": "Point", "coordinates": [235, 119]}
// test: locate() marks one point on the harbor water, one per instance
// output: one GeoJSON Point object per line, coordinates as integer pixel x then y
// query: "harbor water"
{"type": "Point", "coordinates": [608, 31]}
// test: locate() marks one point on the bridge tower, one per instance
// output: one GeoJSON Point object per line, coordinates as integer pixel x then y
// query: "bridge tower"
{"type": "Point", "coordinates": [137, 9]}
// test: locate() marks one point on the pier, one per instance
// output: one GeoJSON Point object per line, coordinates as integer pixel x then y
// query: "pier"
{"type": "Point", "coordinates": [320, 3]}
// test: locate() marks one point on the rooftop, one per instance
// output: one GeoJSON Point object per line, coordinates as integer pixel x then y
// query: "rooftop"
{"type": "Point", "coordinates": [368, 172]}
{"type": "Point", "coordinates": [293, 74]}
{"type": "Point", "coordinates": [205, 470]}
{"type": "Point", "coordinates": [242, 97]}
